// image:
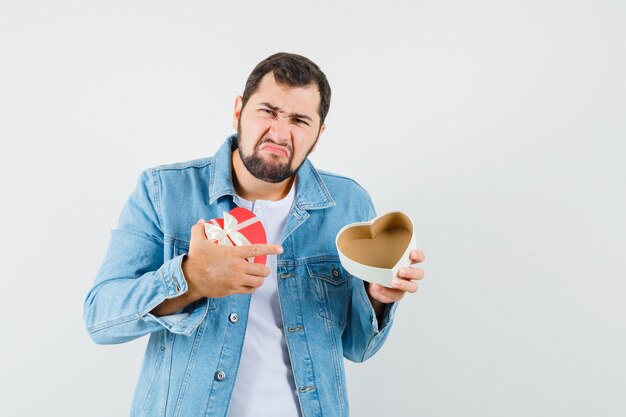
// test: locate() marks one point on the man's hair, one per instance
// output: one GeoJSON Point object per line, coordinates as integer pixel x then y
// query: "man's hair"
{"type": "Point", "coordinates": [292, 70]}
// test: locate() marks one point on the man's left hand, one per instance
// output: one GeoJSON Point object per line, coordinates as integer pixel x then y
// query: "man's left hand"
{"type": "Point", "coordinates": [404, 282]}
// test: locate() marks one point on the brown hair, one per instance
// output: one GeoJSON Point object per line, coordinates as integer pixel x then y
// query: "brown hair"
{"type": "Point", "coordinates": [294, 71]}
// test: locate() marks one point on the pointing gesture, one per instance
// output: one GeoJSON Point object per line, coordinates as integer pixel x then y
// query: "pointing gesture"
{"type": "Point", "coordinates": [215, 270]}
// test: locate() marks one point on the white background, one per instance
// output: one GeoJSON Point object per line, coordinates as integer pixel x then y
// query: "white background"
{"type": "Point", "coordinates": [498, 126]}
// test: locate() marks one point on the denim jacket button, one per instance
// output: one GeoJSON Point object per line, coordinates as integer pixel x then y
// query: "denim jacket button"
{"type": "Point", "coordinates": [220, 375]}
{"type": "Point", "coordinates": [233, 318]}
{"type": "Point", "coordinates": [335, 273]}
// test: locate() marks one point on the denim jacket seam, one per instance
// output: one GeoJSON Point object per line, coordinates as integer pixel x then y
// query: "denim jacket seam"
{"type": "Point", "coordinates": [336, 364]}
{"type": "Point", "coordinates": [172, 292]}
{"type": "Point", "coordinates": [219, 358]}
{"type": "Point", "coordinates": [365, 302]}
{"type": "Point", "coordinates": [322, 185]}
{"type": "Point", "coordinates": [142, 235]}
{"type": "Point", "coordinates": [164, 280]}
{"type": "Point", "coordinates": [322, 172]}
{"type": "Point", "coordinates": [181, 166]}
{"type": "Point", "coordinates": [389, 312]}
{"type": "Point", "coordinates": [372, 209]}
{"type": "Point", "coordinates": [387, 322]}
{"type": "Point", "coordinates": [181, 326]}
{"type": "Point", "coordinates": [372, 341]}
{"type": "Point", "coordinates": [152, 306]}
{"type": "Point", "coordinates": [188, 371]}
{"type": "Point", "coordinates": [157, 196]}
{"type": "Point", "coordinates": [194, 326]}
{"type": "Point", "coordinates": [110, 323]}
{"type": "Point", "coordinates": [182, 276]}
{"type": "Point", "coordinates": [295, 262]}
{"type": "Point", "coordinates": [124, 319]}
{"type": "Point", "coordinates": [307, 206]}
{"type": "Point", "coordinates": [211, 179]}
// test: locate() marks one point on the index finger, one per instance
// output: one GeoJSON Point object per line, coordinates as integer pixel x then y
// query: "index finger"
{"type": "Point", "coordinates": [197, 230]}
{"type": "Point", "coordinates": [258, 249]}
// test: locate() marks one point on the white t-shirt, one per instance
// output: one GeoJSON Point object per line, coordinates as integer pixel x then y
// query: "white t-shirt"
{"type": "Point", "coordinates": [265, 386]}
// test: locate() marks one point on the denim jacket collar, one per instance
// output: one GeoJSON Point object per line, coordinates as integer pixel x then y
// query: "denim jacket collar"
{"type": "Point", "coordinates": [311, 193]}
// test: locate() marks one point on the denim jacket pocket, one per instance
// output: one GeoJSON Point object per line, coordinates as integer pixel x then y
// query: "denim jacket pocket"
{"type": "Point", "coordinates": [181, 247]}
{"type": "Point", "coordinates": [332, 284]}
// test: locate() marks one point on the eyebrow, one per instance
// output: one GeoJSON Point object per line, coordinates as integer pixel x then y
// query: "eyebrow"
{"type": "Point", "coordinates": [277, 109]}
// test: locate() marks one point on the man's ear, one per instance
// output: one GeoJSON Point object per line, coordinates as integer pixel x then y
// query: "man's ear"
{"type": "Point", "coordinates": [237, 111]}
{"type": "Point", "coordinates": [319, 135]}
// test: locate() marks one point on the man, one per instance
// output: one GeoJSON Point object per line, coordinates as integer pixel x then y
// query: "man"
{"type": "Point", "coordinates": [228, 336]}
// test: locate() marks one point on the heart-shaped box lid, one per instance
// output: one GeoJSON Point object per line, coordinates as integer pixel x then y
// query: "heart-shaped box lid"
{"type": "Point", "coordinates": [374, 251]}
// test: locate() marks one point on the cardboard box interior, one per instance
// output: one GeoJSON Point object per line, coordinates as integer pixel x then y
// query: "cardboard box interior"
{"type": "Point", "coordinates": [381, 244]}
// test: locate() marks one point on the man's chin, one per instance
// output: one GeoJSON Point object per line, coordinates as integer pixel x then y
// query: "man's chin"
{"type": "Point", "coordinates": [273, 176]}
{"type": "Point", "coordinates": [269, 171]}
{"type": "Point", "coordinates": [274, 162]}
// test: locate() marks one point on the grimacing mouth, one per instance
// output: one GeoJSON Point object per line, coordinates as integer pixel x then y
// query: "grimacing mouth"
{"type": "Point", "coordinates": [261, 145]}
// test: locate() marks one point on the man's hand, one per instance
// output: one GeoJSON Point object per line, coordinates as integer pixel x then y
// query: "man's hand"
{"type": "Point", "coordinates": [404, 282]}
{"type": "Point", "coordinates": [214, 270]}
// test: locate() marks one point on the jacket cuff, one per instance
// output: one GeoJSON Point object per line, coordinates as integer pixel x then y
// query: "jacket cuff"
{"type": "Point", "coordinates": [378, 333]}
{"type": "Point", "coordinates": [173, 277]}
{"type": "Point", "coordinates": [175, 284]}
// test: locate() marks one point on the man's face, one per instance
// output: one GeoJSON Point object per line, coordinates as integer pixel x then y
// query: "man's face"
{"type": "Point", "coordinates": [277, 129]}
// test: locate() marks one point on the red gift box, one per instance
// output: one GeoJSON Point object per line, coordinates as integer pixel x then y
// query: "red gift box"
{"type": "Point", "coordinates": [238, 227]}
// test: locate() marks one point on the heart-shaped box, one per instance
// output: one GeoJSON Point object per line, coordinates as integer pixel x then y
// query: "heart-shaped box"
{"type": "Point", "coordinates": [375, 250]}
{"type": "Point", "coordinates": [239, 227]}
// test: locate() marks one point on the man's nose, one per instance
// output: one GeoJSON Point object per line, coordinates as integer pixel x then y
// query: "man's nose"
{"type": "Point", "coordinates": [280, 129]}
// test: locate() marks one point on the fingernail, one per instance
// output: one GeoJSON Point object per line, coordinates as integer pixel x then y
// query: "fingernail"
{"type": "Point", "coordinates": [280, 249]}
{"type": "Point", "coordinates": [402, 271]}
{"type": "Point", "coordinates": [201, 221]}
{"type": "Point", "coordinates": [395, 282]}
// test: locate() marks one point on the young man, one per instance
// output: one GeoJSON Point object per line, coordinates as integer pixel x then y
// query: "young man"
{"type": "Point", "coordinates": [227, 336]}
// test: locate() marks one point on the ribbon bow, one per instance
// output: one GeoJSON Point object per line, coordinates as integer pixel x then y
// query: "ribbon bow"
{"type": "Point", "coordinates": [230, 235]}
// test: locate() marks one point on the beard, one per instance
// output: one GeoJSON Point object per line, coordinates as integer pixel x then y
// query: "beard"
{"type": "Point", "coordinates": [272, 170]}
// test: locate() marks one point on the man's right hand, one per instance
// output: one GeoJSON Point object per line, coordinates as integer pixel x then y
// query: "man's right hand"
{"type": "Point", "coordinates": [214, 270]}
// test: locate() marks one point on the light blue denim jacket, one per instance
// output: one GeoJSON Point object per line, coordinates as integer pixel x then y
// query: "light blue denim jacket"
{"type": "Point", "coordinates": [192, 357]}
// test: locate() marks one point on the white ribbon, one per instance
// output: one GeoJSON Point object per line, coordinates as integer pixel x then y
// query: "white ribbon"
{"type": "Point", "coordinates": [231, 230]}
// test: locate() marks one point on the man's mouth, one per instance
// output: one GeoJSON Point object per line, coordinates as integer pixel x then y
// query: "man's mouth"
{"type": "Point", "coordinates": [275, 149]}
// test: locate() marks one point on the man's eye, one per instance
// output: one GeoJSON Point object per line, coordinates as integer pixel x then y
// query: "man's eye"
{"type": "Point", "coordinates": [267, 111]}
{"type": "Point", "coordinates": [300, 121]}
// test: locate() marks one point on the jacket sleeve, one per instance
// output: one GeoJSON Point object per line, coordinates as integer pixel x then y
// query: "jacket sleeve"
{"type": "Point", "coordinates": [133, 278]}
{"type": "Point", "coordinates": [363, 335]}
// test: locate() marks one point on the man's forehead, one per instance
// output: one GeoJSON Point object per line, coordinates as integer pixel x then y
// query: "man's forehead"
{"type": "Point", "coordinates": [288, 98]}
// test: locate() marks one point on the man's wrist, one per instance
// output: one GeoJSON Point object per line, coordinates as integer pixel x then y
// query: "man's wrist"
{"type": "Point", "coordinates": [192, 293]}
{"type": "Point", "coordinates": [378, 306]}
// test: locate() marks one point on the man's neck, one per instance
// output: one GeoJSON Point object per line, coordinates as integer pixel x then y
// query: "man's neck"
{"type": "Point", "coordinates": [251, 188]}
